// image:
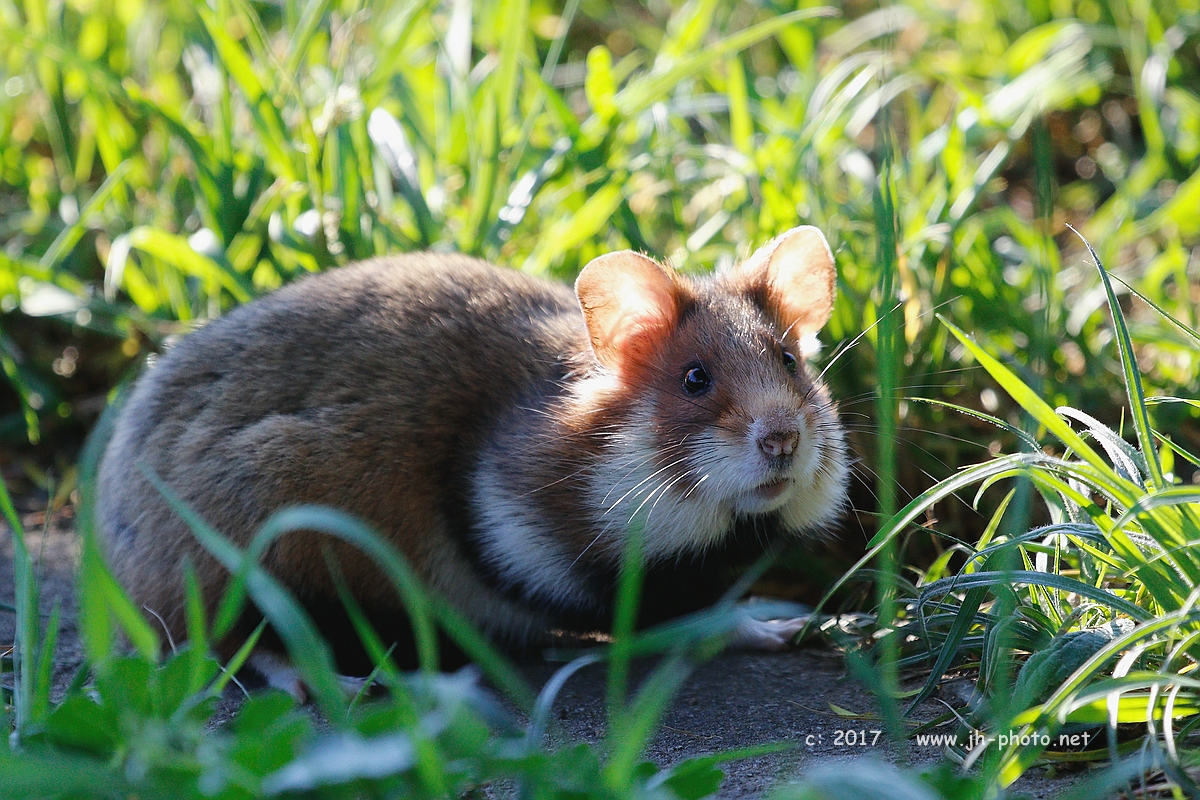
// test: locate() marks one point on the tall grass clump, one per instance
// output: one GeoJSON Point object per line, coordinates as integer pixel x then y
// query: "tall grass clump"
{"type": "Point", "coordinates": [1096, 610]}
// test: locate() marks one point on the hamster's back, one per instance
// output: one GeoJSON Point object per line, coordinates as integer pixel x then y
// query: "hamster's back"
{"type": "Point", "coordinates": [367, 388]}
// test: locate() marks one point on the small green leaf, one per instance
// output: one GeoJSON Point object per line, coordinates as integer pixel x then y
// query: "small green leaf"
{"type": "Point", "coordinates": [81, 723]}
{"type": "Point", "coordinates": [125, 683]}
{"type": "Point", "coordinates": [175, 251]}
{"type": "Point", "coordinates": [344, 758]}
{"type": "Point", "coordinates": [261, 711]}
{"type": "Point", "coordinates": [599, 86]}
{"type": "Point", "coordinates": [694, 779]}
{"type": "Point", "coordinates": [574, 230]}
{"type": "Point", "coordinates": [1046, 669]}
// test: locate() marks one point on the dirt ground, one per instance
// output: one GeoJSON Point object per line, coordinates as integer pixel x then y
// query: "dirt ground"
{"type": "Point", "coordinates": [735, 700]}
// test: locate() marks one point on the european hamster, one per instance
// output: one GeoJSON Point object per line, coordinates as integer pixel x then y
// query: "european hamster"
{"type": "Point", "coordinates": [498, 429]}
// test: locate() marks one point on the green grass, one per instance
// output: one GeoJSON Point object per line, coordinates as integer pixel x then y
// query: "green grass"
{"type": "Point", "coordinates": [161, 167]}
{"type": "Point", "coordinates": [162, 162]}
{"type": "Point", "coordinates": [1102, 600]}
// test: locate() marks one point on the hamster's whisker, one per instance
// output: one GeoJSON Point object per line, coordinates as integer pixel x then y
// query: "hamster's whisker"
{"type": "Point", "coordinates": [651, 476]}
{"type": "Point", "coordinates": [837, 355]}
{"type": "Point", "coordinates": [651, 492]}
{"type": "Point", "coordinates": [557, 481]}
{"type": "Point", "coordinates": [695, 486]}
{"type": "Point", "coordinates": [898, 395]}
{"type": "Point", "coordinates": [583, 552]}
{"type": "Point", "coordinates": [603, 530]}
{"type": "Point", "coordinates": [633, 467]}
{"type": "Point", "coordinates": [663, 492]}
{"type": "Point", "coordinates": [912, 442]}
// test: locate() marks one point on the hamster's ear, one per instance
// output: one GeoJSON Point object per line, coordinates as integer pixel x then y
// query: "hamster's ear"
{"type": "Point", "coordinates": [792, 276]}
{"type": "Point", "coordinates": [630, 303]}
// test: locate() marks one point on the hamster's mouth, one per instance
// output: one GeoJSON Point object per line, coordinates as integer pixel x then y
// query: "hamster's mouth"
{"type": "Point", "coordinates": [771, 489]}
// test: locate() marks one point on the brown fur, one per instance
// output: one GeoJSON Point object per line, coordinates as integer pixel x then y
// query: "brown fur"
{"type": "Point", "coordinates": [379, 387]}
{"type": "Point", "coordinates": [361, 388]}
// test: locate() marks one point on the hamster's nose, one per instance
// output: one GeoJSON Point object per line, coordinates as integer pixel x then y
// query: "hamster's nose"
{"type": "Point", "coordinates": [779, 444]}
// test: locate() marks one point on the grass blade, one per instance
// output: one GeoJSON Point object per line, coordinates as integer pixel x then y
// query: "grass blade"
{"type": "Point", "coordinates": [175, 251]}
{"type": "Point", "coordinates": [309, 652]}
{"type": "Point", "coordinates": [927, 499]}
{"type": "Point", "coordinates": [1028, 441]}
{"type": "Point", "coordinates": [25, 638]}
{"type": "Point", "coordinates": [70, 235]}
{"type": "Point", "coordinates": [641, 93]}
{"type": "Point", "coordinates": [1184, 329]}
{"type": "Point", "coordinates": [1028, 400]}
{"type": "Point", "coordinates": [270, 125]}
{"type": "Point", "coordinates": [1033, 577]}
{"type": "Point", "coordinates": [964, 620]}
{"type": "Point", "coordinates": [625, 611]}
{"type": "Point", "coordinates": [1133, 375]}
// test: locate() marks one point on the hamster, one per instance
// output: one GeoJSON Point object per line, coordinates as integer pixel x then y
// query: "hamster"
{"type": "Point", "coordinates": [499, 430]}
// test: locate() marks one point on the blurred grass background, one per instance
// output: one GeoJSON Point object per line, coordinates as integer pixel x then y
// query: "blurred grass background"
{"type": "Point", "coordinates": [162, 161]}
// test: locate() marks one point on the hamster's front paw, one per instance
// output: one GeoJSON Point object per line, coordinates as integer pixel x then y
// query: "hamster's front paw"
{"type": "Point", "coordinates": [278, 673]}
{"type": "Point", "coordinates": [770, 635]}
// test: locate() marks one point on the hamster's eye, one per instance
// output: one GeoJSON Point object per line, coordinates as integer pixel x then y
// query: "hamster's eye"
{"type": "Point", "coordinates": [789, 362]}
{"type": "Point", "coordinates": [696, 381]}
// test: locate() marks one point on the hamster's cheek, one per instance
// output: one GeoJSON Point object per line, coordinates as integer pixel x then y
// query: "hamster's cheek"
{"type": "Point", "coordinates": [726, 467]}
{"type": "Point", "coordinates": [641, 477]}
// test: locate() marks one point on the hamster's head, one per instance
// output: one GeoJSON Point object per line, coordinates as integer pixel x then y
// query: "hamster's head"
{"type": "Point", "coordinates": [724, 417]}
